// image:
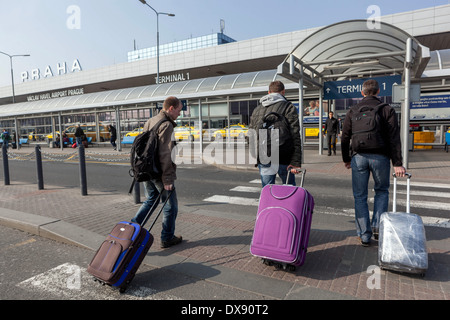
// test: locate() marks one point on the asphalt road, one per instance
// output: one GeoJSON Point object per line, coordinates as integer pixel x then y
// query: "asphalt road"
{"type": "Point", "coordinates": [196, 183]}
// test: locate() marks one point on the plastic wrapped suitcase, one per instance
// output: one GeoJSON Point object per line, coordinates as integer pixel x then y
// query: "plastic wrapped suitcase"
{"type": "Point", "coordinates": [402, 241]}
{"type": "Point", "coordinates": [116, 261]}
{"type": "Point", "coordinates": [282, 225]}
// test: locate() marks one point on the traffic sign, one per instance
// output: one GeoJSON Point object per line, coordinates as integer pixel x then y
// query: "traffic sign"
{"type": "Point", "coordinates": [347, 89]}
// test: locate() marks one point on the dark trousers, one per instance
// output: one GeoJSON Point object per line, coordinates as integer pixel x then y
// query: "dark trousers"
{"type": "Point", "coordinates": [331, 140]}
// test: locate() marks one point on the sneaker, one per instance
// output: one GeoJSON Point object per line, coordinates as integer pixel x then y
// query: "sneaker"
{"type": "Point", "coordinates": [364, 243]}
{"type": "Point", "coordinates": [175, 240]}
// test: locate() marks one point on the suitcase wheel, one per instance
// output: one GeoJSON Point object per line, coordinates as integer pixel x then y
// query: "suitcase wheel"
{"type": "Point", "coordinates": [122, 289]}
{"type": "Point", "coordinates": [267, 262]}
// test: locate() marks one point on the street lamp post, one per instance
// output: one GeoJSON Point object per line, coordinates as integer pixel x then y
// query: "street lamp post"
{"type": "Point", "coordinates": [12, 72]}
{"type": "Point", "coordinates": [157, 35]}
{"type": "Point", "coordinates": [13, 93]}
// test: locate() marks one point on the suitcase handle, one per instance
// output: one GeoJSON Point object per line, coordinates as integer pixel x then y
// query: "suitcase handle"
{"type": "Point", "coordinates": [408, 186]}
{"type": "Point", "coordinates": [155, 204]}
{"type": "Point", "coordinates": [303, 172]}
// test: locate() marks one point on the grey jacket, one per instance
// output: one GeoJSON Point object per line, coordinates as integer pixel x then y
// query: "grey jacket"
{"type": "Point", "coordinates": [271, 103]}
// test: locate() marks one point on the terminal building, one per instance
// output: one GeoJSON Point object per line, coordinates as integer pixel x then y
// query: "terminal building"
{"type": "Point", "coordinates": [225, 78]}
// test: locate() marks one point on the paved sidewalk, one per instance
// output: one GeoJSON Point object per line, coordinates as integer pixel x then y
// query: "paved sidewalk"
{"type": "Point", "coordinates": [336, 264]}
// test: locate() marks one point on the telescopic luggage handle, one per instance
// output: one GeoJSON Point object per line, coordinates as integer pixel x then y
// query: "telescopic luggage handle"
{"type": "Point", "coordinates": [408, 185]}
{"type": "Point", "coordinates": [303, 172]}
{"type": "Point", "coordinates": [155, 204]}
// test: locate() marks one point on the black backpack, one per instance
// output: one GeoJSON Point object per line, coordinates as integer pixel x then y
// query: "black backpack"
{"type": "Point", "coordinates": [144, 156]}
{"type": "Point", "coordinates": [273, 121]}
{"type": "Point", "coordinates": [367, 128]}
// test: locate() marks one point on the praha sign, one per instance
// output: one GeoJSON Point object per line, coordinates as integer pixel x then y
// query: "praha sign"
{"type": "Point", "coordinates": [61, 68]}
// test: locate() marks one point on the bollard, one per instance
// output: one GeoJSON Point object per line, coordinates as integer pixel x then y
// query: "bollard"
{"type": "Point", "coordinates": [137, 192]}
{"type": "Point", "coordinates": [40, 176]}
{"type": "Point", "coordinates": [5, 164]}
{"type": "Point", "coordinates": [83, 183]}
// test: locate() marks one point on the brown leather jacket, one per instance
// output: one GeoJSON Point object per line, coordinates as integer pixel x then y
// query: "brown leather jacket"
{"type": "Point", "coordinates": [166, 145]}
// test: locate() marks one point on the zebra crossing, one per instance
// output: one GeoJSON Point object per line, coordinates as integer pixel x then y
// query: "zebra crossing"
{"type": "Point", "coordinates": [248, 195]}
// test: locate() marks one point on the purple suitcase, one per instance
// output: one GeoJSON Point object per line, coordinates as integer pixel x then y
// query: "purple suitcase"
{"type": "Point", "coordinates": [282, 226]}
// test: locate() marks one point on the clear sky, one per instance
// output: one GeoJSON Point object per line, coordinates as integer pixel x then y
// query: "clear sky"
{"type": "Point", "coordinates": [100, 33]}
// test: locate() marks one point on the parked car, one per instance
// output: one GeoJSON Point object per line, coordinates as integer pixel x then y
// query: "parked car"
{"type": "Point", "coordinates": [234, 131]}
{"type": "Point", "coordinates": [135, 132]}
{"type": "Point", "coordinates": [187, 133]}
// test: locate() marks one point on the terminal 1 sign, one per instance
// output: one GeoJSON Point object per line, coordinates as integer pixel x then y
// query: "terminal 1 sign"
{"type": "Point", "coordinates": [351, 89]}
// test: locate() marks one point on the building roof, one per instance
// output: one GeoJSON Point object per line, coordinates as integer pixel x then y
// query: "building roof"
{"type": "Point", "coordinates": [243, 83]}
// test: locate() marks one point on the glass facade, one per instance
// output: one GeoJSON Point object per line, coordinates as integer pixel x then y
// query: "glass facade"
{"type": "Point", "coordinates": [214, 39]}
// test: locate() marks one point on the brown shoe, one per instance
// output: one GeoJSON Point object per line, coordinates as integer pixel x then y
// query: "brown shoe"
{"type": "Point", "coordinates": [364, 243]}
{"type": "Point", "coordinates": [175, 240]}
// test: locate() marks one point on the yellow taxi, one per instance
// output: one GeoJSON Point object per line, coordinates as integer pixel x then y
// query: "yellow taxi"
{"type": "Point", "coordinates": [50, 135]}
{"type": "Point", "coordinates": [187, 133]}
{"type": "Point", "coordinates": [234, 131]}
{"type": "Point", "coordinates": [135, 132]}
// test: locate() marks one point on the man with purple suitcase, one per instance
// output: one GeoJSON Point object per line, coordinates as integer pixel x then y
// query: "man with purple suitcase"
{"type": "Point", "coordinates": [275, 112]}
{"type": "Point", "coordinates": [283, 220]}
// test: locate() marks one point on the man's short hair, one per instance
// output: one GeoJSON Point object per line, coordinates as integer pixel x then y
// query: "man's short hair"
{"type": "Point", "coordinates": [370, 88]}
{"type": "Point", "coordinates": [276, 86]}
{"type": "Point", "coordinates": [171, 101]}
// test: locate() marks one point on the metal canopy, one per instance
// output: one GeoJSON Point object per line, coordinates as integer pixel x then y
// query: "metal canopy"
{"type": "Point", "coordinates": [350, 49]}
{"type": "Point", "coordinates": [354, 49]}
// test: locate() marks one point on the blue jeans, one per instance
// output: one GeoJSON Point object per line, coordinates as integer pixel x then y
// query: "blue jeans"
{"type": "Point", "coordinates": [362, 166]}
{"type": "Point", "coordinates": [78, 140]}
{"type": "Point", "coordinates": [152, 189]}
{"type": "Point", "coordinates": [268, 174]}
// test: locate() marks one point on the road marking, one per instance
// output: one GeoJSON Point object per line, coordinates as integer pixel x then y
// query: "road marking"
{"type": "Point", "coordinates": [233, 200]}
{"type": "Point", "coordinates": [426, 193]}
{"type": "Point", "coordinates": [425, 184]}
{"type": "Point", "coordinates": [246, 189]}
{"type": "Point", "coordinates": [16, 245]}
{"type": "Point", "coordinates": [71, 281]}
{"type": "Point", "coordinates": [348, 212]}
{"type": "Point", "coordinates": [427, 221]}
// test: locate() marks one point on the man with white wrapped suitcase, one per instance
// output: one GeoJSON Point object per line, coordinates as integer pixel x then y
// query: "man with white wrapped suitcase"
{"type": "Point", "coordinates": [375, 160]}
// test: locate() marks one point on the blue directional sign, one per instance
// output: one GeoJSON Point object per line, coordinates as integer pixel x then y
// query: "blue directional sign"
{"type": "Point", "coordinates": [347, 89]}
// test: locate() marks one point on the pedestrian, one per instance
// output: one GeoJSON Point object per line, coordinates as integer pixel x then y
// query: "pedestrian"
{"type": "Point", "coordinates": [368, 157]}
{"type": "Point", "coordinates": [289, 159]}
{"type": "Point", "coordinates": [171, 110]}
{"type": "Point", "coordinates": [78, 135]}
{"type": "Point", "coordinates": [332, 130]}
{"type": "Point", "coordinates": [113, 134]}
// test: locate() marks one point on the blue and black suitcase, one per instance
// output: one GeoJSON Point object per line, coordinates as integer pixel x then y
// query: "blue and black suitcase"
{"type": "Point", "coordinates": [116, 261]}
